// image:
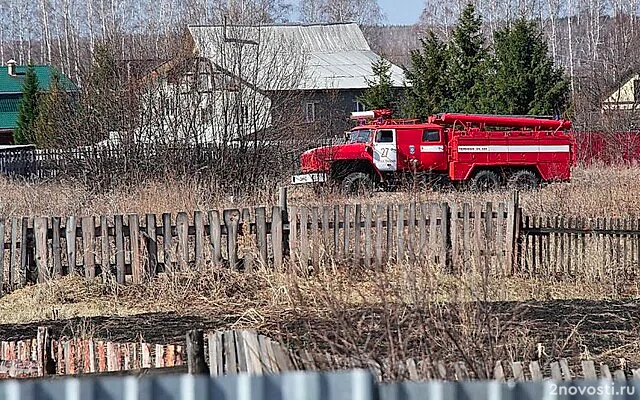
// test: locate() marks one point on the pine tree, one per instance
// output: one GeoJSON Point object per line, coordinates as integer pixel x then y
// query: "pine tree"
{"type": "Point", "coordinates": [526, 80]}
{"type": "Point", "coordinates": [468, 63]}
{"type": "Point", "coordinates": [429, 90]}
{"type": "Point", "coordinates": [28, 109]}
{"type": "Point", "coordinates": [379, 94]}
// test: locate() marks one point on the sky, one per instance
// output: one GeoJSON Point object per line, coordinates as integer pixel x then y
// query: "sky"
{"type": "Point", "coordinates": [401, 12]}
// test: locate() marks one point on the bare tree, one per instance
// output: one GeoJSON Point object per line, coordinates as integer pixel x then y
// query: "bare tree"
{"type": "Point", "coordinates": [367, 12]}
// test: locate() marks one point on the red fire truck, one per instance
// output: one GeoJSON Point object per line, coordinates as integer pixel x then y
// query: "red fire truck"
{"type": "Point", "coordinates": [483, 151]}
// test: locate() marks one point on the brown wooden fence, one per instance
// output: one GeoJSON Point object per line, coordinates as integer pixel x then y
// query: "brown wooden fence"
{"type": "Point", "coordinates": [239, 351]}
{"type": "Point", "coordinates": [135, 248]}
{"type": "Point", "coordinates": [490, 237]}
{"type": "Point", "coordinates": [226, 352]}
{"type": "Point", "coordinates": [573, 246]}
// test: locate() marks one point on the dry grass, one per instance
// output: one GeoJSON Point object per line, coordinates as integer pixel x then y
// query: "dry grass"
{"type": "Point", "coordinates": [68, 297]}
{"type": "Point", "coordinates": [213, 289]}
{"type": "Point", "coordinates": [403, 311]}
{"type": "Point", "coordinates": [63, 199]}
{"type": "Point", "coordinates": [593, 191]}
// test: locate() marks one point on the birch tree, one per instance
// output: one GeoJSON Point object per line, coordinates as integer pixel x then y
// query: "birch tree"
{"type": "Point", "coordinates": [367, 12]}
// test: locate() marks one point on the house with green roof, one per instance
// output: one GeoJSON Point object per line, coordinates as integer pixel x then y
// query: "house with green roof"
{"type": "Point", "coordinates": [11, 80]}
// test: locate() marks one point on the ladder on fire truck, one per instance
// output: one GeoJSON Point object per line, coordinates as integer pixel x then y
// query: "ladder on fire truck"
{"type": "Point", "coordinates": [483, 121]}
{"type": "Point", "coordinates": [468, 121]}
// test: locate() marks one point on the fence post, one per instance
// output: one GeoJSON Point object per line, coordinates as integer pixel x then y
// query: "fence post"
{"type": "Point", "coordinates": [447, 256]}
{"type": "Point", "coordinates": [46, 364]}
{"type": "Point", "coordinates": [284, 207]}
{"type": "Point", "coordinates": [513, 226]}
{"type": "Point", "coordinates": [196, 363]}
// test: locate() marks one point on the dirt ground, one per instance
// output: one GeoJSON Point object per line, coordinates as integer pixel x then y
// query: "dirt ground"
{"type": "Point", "coordinates": [577, 329]}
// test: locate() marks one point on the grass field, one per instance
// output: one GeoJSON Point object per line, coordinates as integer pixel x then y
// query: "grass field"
{"type": "Point", "coordinates": [593, 191]}
{"type": "Point", "coordinates": [412, 310]}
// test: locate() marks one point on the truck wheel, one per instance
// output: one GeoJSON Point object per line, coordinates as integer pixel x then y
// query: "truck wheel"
{"type": "Point", "coordinates": [357, 183]}
{"type": "Point", "coordinates": [484, 181]}
{"type": "Point", "coordinates": [524, 179]}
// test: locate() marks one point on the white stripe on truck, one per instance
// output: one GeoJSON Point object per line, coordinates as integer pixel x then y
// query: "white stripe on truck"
{"type": "Point", "coordinates": [431, 149]}
{"type": "Point", "coordinates": [515, 149]}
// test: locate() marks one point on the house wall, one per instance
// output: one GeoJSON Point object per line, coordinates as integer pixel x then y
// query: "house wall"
{"type": "Point", "coordinates": [315, 114]}
{"type": "Point", "coordinates": [200, 110]}
{"type": "Point", "coordinates": [624, 98]}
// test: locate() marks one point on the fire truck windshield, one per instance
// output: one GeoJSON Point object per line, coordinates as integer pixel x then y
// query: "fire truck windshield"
{"type": "Point", "coordinates": [359, 136]}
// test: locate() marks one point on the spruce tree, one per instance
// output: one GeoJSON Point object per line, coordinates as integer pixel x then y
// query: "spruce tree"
{"type": "Point", "coordinates": [379, 94]}
{"type": "Point", "coordinates": [104, 94]}
{"type": "Point", "coordinates": [526, 80]}
{"type": "Point", "coordinates": [53, 113]}
{"type": "Point", "coordinates": [28, 109]}
{"type": "Point", "coordinates": [429, 90]}
{"type": "Point", "coordinates": [468, 63]}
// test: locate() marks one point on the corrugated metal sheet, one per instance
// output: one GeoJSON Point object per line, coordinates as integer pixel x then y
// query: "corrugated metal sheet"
{"type": "Point", "coordinates": [336, 56]}
{"type": "Point", "coordinates": [355, 385]}
{"type": "Point", "coordinates": [493, 390]}
{"type": "Point", "coordinates": [346, 385]}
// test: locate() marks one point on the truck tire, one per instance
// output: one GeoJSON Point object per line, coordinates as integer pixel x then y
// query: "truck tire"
{"type": "Point", "coordinates": [484, 181]}
{"type": "Point", "coordinates": [357, 183]}
{"type": "Point", "coordinates": [523, 179]}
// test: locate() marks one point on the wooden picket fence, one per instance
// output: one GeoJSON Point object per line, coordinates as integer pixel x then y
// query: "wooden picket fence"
{"type": "Point", "coordinates": [494, 238]}
{"type": "Point", "coordinates": [457, 236]}
{"type": "Point", "coordinates": [424, 370]}
{"type": "Point", "coordinates": [24, 358]}
{"type": "Point", "coordinates": [573, 245]}
{"type": "Point", "coordinates": [132, 248]}
{"type": "Point", "coordinates": [231, 352]}
{"type": "Point", "coordinates": [226, 352]}
{"type": "Point", "coordinates": [135, 248]}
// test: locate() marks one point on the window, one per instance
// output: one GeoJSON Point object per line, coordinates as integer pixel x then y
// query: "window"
{"type": "Point", "coordinates": [310, 111]}
{"type": "Point", "coordinates": [204, 82]}
{"type": "Point", "coordinates": [431, 135]}
{"type": "Point", "coordinates": [359, 136]}
{"type": "Point", "coordinates": [187, 83]}
{"type": "Point", "coordinates": [384, 136]}
{"type": "Point", "coordinates": [357, 106]}
{"type": "Point", "coordinates": [636, 90]}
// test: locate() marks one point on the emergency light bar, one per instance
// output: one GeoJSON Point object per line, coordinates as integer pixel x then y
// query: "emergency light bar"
{"type": "Point", "coordinates": [360, 115]}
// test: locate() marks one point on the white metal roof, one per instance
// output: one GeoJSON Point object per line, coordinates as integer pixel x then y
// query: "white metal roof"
{"type": "Point", "coordinates": [334, 56]}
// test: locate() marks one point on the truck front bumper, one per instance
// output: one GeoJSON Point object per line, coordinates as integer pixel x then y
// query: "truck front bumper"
{"type": "Point", "coordinates": [317, 177]}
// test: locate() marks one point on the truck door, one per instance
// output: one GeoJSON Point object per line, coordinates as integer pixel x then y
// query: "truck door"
{"type": "Point", "coordinates": [385, 153]}
{"type": "Point", "coordinates": [432, 154]}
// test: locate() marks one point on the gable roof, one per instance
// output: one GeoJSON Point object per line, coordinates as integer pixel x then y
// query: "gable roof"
{"type": "Point", "coordinates": [13, 84]}
{"type": "Point", "coordinates": [336, 56]}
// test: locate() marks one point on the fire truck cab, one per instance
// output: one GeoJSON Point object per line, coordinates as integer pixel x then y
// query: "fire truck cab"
{"type": "Point", "coordinates": [483, 151]}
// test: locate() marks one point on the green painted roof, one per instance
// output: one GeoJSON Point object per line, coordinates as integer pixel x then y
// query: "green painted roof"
{"type": "Point", "coordinates": [11, 90]}
{"type": "Point", "coordinates": [9, 113]}
{"type": "Point", "coordinates": [8, 120]}
{"type": "Point", "coordinates": [13, 84]}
